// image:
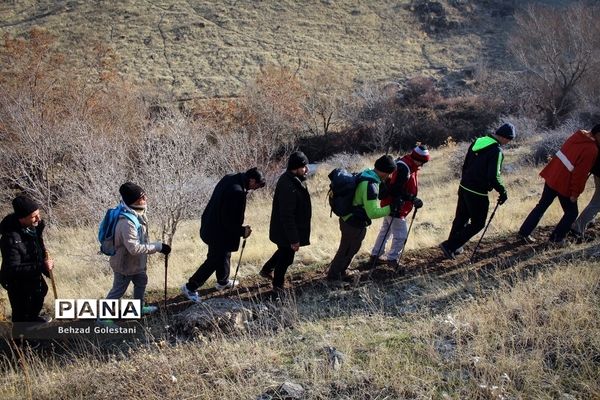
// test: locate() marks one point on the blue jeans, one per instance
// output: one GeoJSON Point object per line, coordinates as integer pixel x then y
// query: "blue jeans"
{"type": "Point", "coordinates": [121, 283]}
{"type": "Point", "coordinates": [562, 228]}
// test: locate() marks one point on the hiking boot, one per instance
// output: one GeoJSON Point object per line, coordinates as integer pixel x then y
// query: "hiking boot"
{"type": "Point", "coordinates": [229, 285]}
{"type": "Point", "coordinates": [459, 251]}
{"type": "Point", "coordinates": [190, 295]}
{"type": "Point", "coordinates": [266, 274]}
{"type": "Point", "coordinates": [146, 310]}
{"type": "Point", "coordinates": [575, 236]}
{"type": "Point", "coordinates": [557, 244]}
{"type": "Point", "coordinates": [528, 239]}
{"type": "Point", "coordinates": [447, 253]}
{"type": "Point", "coordinates": [392, 263]}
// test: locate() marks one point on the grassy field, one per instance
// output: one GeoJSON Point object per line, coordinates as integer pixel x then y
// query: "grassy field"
{"type": "Point", "coordinates": [528, 330]}
{"type": "Point", "coordinates": [194, 49]}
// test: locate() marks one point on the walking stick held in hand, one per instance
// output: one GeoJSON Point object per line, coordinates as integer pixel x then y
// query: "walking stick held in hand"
{"type": "Point", "coordinates": [239, 262]}
{"type": "Point", "coordinates": [51, 274]}
{"type": "Point", "coordinates": [484, 231]}
{"type": "Point", "coordinates": [408, 232]}
{"type": "Point", "coordinates": [166, 269]}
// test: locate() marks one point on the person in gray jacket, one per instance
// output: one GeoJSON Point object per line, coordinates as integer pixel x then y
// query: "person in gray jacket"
{"type": "Point", "coordinates": [129, 264]}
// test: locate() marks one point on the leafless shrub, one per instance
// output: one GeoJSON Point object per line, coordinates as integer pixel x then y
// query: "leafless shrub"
{"type": "Point", "coordinates": [559, 49]}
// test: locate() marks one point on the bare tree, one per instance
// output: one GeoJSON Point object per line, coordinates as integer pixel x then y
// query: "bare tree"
{"type": "Point", "coordinates": [559, 49]}
{"type": "Point", "coordinates": [326, 88]}
{"type": "Point", "coordinates": [174, 166]}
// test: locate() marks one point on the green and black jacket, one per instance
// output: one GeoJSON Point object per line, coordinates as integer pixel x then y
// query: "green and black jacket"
{"type": "Point", "coordinates": [482, 166]}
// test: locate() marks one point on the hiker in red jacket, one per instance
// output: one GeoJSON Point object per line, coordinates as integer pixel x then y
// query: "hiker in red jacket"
{"type": "Point", "coordinates": [403, 189]}
{"type": "Point", "coordinates": [565, 177]}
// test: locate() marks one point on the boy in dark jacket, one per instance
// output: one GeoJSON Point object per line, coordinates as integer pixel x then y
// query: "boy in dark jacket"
{"type": "Point", "coordinates": [221, 228]}
{"type": "Point", "coordinates": [24, 260]}
{"type": "Point", "coordinates": [290, 219]}
{"type": "Point", "coordinates": [480, 174]}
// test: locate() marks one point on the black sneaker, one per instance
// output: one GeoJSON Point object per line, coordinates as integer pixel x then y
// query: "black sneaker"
{"type": "Point", "coordinates": [575, 236]}
{"type": "Point", "coordinates": [266, 274]}
{"type": "Point", "coordinates": [447, 253]}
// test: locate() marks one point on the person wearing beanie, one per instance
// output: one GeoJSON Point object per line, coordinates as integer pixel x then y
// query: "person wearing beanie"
{"type": "Point", "coordinates": [221, 227]}
{"type": "Point", "coordinates": [401, 190]}
{"type": "Point", "coordinates": [366, 207]}
{"type": "Point", "coordinates": [132, 247]}
{"type": "Point", "coordinates": [565, 177]}
{"type": "Point", "coordinates": [480, 174]}
{"type": "Point", "coordinates": [290, 220]}
{"type": "Point", "coordinates": [24, 260]}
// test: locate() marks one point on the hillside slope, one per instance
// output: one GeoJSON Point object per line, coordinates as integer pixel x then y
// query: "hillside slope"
{"type": "Point", "coordinates": [202, 49]}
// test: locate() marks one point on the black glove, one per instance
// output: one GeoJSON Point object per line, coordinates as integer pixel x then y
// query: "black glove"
{"type": "Point", "coordinates": [166, 249]}
{"type": "Point", "coordinates": [502, 198]}
{"type": "Point", "coordinates": [417, 202]}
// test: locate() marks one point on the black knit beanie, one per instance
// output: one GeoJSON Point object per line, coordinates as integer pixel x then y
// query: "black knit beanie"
{"type": "Point", "coordinates": [596, 129]}
{"type": "Point", "coordinates": [506, 131]}
{"type": "Point", "coordinates": [130, 192]}
{"type": "Point", "coordinates": [24, 206]}
{"type": "Point", "coordinates": [297, 160]}
{"type": "Point", "coordinates": [385, 164]}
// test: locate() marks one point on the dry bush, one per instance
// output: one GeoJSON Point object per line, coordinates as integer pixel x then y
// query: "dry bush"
{"type": "Point", "coordinates": [559, 48]}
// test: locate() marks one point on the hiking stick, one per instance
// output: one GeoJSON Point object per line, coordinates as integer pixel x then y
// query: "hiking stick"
{"type": "Point", "coordinates": [408, 233]}
{"type": "Point", "coordinates": [239, 262]}
{"type": "Point", "coordinates": [51, 274]}
{"type": "Point", "coordinates": [484, 231]}
{"type": "Point", "coordinates": [382, 244]}
{"type": "Point", "coordinates": [166, 269]}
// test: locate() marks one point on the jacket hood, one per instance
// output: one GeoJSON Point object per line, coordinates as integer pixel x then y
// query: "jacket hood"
{"type": "Point", "coordinates": [10, 223]}
{"type": "Point", "coordinates": [484, 142]}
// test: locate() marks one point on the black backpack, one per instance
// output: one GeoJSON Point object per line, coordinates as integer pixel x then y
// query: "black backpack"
{"type": "Point", "coordinates": [341, 190]}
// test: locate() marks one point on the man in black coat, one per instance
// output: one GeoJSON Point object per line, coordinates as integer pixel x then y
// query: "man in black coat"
{"type": "Point", "coordinates": [24, 260]}
{"type": "Point", "coordinates": [290, 219]}
{"type": "Point", "coordinates": [221, 228]}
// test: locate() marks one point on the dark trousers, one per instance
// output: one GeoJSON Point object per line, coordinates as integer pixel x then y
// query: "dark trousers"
{"type": "Point", "coordinates": [217, 260]}
{"type": "Point", "coordinates": [26, 299]}
{"type": "Point", "coordinates": [562, 228]}
{"type": "Point", "coordinates": [350, 243]}
{"type": "Point", "coordinates": [471, 212]}
{"type": "Point", "coordinates": [279, 263]}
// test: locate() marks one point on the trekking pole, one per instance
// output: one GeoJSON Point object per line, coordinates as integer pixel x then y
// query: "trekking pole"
{"type": "Point", "coordinates": [51, 274]}
{"type": "Point", "coordinates": [408, 232]}
{"type": "Point", "coordinates": [484, 231]}
{"type": "Point", "coordinates": [239, 262]}
{"type": "Point", "coordinates": [166, 269]}
{"type": "Point", "coordinates": [382, 244]}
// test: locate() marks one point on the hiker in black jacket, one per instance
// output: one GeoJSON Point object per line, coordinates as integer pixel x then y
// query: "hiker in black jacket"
{"type": "Point", "coordinates": [480, 174]}
{"type": "Point", "coordinates": [24, 260]}
{"type": "Point", "coordinates": [221, 228]}
{"type": "Point", "coordinates": [290, 219]}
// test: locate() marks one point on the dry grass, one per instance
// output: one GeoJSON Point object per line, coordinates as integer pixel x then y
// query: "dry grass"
{"type": "Point", "coordinates": [211, 49]}
{"type": "Point", "coordinates": [429, 337]}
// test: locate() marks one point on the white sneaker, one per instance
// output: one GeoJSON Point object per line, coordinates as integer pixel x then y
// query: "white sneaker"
{"type": "Point", "coordinates": [229, 285]}
{"type": "Point", "coordinates": [193, 296]}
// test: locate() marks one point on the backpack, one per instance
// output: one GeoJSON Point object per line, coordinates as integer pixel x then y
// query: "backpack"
{"type": "Point", "coordinates": [341, 191]}
{"type": "Point", "coordinates": [106, 232]}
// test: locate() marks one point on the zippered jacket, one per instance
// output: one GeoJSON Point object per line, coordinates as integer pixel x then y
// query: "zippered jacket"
{"type": "Point", "coordinates": [482, 167]}
{"type": "Point", "coordinates": [366, 202]}
{"type": "Point", "coordinates": [291, 212]}
{"type": "Point", "coordinates": [404, 184]}
{"type": "Point", "coordinates": [570, 167]}
{"type": "Point", "coordinates": [132, 246]}
{"type": "Point", "coordinates": [23, 251]}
